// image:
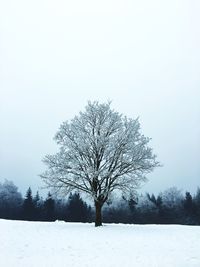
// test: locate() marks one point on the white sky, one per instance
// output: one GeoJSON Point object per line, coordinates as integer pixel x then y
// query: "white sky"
{"type": "Point", "coordinates": [143, 55]}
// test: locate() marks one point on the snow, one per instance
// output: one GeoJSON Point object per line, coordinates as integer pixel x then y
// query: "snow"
{"type": "Point", "coordinates": [75, 244]}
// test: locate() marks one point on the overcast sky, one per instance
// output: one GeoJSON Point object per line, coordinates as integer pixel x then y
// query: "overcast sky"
{"type": "Point", "coordinates": [143, 55]}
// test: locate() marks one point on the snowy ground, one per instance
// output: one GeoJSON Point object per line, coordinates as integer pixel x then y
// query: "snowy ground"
{"type": "Point", "coordinates": [74, 244]}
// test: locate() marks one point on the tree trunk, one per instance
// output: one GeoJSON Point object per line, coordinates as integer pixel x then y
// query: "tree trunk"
{"type": "Point", "coordinates": [98, 216]}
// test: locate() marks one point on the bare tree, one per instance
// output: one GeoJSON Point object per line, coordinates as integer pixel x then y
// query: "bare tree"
{"type": "Point", "coordinates": [100, 151]}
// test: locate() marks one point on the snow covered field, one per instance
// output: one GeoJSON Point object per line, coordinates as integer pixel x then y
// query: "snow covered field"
{"type": "Point", "coordinates": [58, 244]}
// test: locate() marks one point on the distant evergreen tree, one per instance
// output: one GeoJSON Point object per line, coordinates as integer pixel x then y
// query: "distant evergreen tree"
{"type": "Point", "coordinates": [60, 209]}
{"type": "Point", "coordinates": [158, 215]}
{"type": "Point", "coordinates": [197, 205]}
{"type": "Point", "coordinates": [190, 208]}
{"type": "Point", "coordinates": [147, 210]}
{"type": "Point", "coordinates": [36, 199]}
{"type": "Point", "coordinates": [49, 208]}
{"type": "Point", "coordinates": [28, 208]}
{"type": "Point", "coordinates": [188, 203]}
{"type": "Point", "coordinates": [38, 204]}
{"type": "Point", "coordinates": [78, 210]}
{"type": "Point", "coordinates": [132, 204]}
{"type": "Point", "coordinates": [118, 212]}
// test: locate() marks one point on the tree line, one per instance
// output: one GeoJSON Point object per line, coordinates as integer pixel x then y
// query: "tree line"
{"type": "Point", "coordinates": [168, 207]}
{"type": "Point", "coordinates": [36, 208]}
